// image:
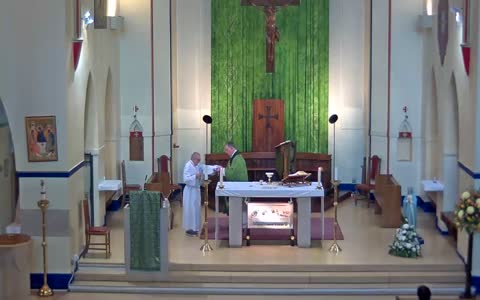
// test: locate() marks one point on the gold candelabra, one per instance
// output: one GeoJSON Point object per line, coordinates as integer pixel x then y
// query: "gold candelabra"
{"type": "Point", "coordinates": [45, 290]}
{"type": "Point", "coordinates": [206, 246]}
{"type": "Point", "coordinates": [335, 248]}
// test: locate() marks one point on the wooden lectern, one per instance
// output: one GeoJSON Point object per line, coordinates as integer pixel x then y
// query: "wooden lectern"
{"type": "Point", "coordinates": [285, 158]}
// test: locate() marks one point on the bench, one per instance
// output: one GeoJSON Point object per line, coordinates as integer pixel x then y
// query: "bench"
{"type": "Point", "coordinates": [387, 200]}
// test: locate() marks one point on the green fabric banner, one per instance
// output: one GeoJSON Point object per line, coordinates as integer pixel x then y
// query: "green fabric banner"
{"type": "Point", "coordinates": [145, 231]}
{"type": "Point", "coordinates": [300, 78]}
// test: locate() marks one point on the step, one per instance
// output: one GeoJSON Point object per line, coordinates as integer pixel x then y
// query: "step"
{"type": "Point", "coordinates": [259, 288]}
{"type": "Point", "coordinates": [317, 268]}
{"type": "Point", "coordinates": [118, 274]}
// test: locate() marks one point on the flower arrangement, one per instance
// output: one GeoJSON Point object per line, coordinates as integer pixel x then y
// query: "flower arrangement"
{"type": "Point", "coordinates": [467, 212]}
{"type": "Point", "coordinates": [406, 242]}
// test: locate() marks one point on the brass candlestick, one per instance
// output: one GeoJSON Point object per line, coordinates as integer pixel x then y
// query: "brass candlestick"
{"type": "Point", "coordinates": [45, 290]}
{"type": "Point", "coordinates": [335, 248]}
{"type": "Point", "coordinates": [206, 246]}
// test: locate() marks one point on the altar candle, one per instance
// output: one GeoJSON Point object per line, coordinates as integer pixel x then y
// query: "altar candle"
{"type": "Point", "coordinates": [319, 176]}
{"type": "Point", "coordinates": [335, 175]}
{"type": "Point", "coordinates": [205, 171]}
{"type": "Point", "coordinates": [221, 176]}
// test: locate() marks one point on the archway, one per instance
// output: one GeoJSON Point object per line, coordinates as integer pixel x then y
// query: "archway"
{"type": "Point", "coordinates": [432, 161]}
{"type": "Point", "coordinates": [111, 131]}
{"type": "Point", "coordinates": [8, 182]}
{"type": "Point", "coordinates": [89, 140]}
{"type": "Point", "coordinates": [450, 138]}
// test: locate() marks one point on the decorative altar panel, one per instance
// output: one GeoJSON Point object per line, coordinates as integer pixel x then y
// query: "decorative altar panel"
{"type": "Point", "coordinates": [268, 124]}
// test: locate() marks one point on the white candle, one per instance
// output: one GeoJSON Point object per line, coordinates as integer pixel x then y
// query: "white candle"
{"type": "Point", "coordinates": [335, 176]}
{"type": "Point", "coordinates": [205, 172]}
{"type": "Point", "coordinates": [319, 176]}
{"type": "Point", "coordinates": [43, 191]}
{"type": "Point", "coordinates": [221, 176]}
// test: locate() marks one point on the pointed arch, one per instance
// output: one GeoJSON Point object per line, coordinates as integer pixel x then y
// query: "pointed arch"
{"type": "Point", "coordinates": [90, 121]}
{"type": "Point", "coordinates": [8, 180]}
{"type": "Point", "coordinates": [111, 116]}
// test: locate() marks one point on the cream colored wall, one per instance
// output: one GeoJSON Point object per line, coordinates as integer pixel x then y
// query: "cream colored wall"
{"type": "Point", "coordinates": [406, 48]}
{"type": "Point", "coordinates": [348, 50]}
{"type": "Point", "coordinates": [136, 82]}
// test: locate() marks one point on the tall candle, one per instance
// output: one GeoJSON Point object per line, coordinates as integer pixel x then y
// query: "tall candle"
{"type": "Point", "coordinates": [43, 191]}
{"type": "Point", "coordinates": [335, 176]}
{"type": "Point", "coordinates": [221, 176]}
{"type": "Point", "coordinates": [205, 171]}
{"type": "Point", "coordinates": [319, 176]}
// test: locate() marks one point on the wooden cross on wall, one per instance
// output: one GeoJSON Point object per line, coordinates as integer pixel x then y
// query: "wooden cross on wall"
{"type": "Point", "coordinates": [272, 34]}
{"type": "Point", "coordinates": [268, 116]}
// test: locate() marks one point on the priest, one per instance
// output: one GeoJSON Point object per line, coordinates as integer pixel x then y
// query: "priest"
{"type": "Point", "coordinates": [236, 169]}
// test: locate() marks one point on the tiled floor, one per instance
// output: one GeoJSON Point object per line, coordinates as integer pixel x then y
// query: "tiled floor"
{"type": "Point", "coordinates": [366, 243]}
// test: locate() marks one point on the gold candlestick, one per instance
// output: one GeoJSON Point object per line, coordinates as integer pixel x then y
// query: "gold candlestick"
{"type": "Point", "coordinates": [45, 290]}
{"type": "Point", "coordinates": [335, 248]}
{"type": "Point", "coordinates": [206, 246]}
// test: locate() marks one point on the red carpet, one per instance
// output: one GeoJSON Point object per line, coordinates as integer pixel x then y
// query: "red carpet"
{"type": "Point", "coordinates": [274, 234]}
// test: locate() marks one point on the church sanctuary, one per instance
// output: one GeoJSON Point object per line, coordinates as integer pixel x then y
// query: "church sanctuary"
{"type": "Point", "coordinates": [239, 149]}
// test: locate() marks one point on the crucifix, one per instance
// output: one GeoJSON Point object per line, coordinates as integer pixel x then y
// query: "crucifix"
{"type": "Point", "coordinates": [268, 116]}
{"type": "Point", "coordinates": [272, 35]}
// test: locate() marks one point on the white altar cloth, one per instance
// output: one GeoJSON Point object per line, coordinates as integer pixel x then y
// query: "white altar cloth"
{"type": "Point", "coordinates": [110, 185]}
{"type": "Point", "coordinates": [432, 186]}
{"type": "Point", "coordinates": [236, 191]}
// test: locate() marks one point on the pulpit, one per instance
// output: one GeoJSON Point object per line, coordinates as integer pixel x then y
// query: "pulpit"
{"type": "Point", "coordinates": [285, 158]}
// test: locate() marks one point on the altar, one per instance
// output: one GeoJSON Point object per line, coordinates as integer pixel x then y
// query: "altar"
{"type": "Point", "coordinates": [238, 191]}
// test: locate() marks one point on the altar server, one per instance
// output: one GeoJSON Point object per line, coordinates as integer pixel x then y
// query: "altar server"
{"type": "Point", "coordinates": [192, 175]}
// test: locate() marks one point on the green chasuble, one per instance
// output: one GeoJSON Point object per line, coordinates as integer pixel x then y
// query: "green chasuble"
{"type": "Point", "coordinates": [236, 168]}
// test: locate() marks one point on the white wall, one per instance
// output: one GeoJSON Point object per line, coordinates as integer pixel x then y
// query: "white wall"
{"type": "Point", "coordinates": [136, 81]}
{"type": "Point", "coordinates": [406, 82]}
{"type": "Point", "coordinates": [192, 80]}
{"type": "Point", "coordinates": [347, 82]}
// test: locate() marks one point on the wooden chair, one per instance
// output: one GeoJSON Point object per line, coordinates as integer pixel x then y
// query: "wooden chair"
{"type": "Point", "coordinates": [363, 190]}
{"type": "Point", "coordinates": [165, 171]}
{"type": "Point", "coordinates": [94, 231]}
{"type": "Point", "coordinates": [127, 187]}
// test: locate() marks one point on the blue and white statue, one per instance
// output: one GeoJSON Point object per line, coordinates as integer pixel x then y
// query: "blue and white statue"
{"type": "Point", "coordinates": [410, 207]}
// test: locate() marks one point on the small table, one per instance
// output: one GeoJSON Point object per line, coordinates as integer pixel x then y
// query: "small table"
{"type": "Point", "coordinates": [236, 191]}
{"type": "Point", "coordinates": [432, 186]}
{"type": "Point", "coordinates": [110, 185]}
{"type": "Point", "coordinates": [16, 260]}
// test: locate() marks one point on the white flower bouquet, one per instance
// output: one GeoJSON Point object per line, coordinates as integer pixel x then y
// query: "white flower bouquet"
{"type": "Point", "coordinates": [467, 212]}
{"type": "Point", "coordinates": [406, 242]}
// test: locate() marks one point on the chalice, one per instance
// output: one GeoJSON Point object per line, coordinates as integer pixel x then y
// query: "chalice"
{"type": "Point", "coordinates": [269, 175]}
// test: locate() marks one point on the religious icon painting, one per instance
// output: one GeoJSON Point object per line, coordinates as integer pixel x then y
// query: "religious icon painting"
{"type": "Point", "coordinates": [41, 138]}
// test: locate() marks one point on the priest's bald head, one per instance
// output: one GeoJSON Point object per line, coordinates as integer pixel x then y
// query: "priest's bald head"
{"type": "Point", "coordinates": [229, 148]}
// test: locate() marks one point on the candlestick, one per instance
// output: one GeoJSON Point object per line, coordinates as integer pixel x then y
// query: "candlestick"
{"type": "Point", "coordinates": [335, 175]}
{"type": "Point", "coordinates": [43, 192]}
{"type": "Point", "coordinates": [319, 177]}
{"type": "Point", "coordinates": [221, 177]}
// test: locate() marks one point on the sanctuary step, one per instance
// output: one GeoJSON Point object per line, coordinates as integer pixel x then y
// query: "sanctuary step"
{"type": "Point", "coordinates": [315, 277]}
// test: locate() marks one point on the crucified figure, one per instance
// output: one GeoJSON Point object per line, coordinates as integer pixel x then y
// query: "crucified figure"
{"type": "Point", "coordinates": [272, 35]}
